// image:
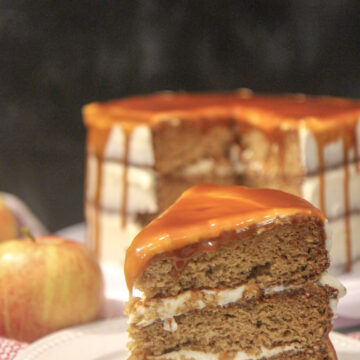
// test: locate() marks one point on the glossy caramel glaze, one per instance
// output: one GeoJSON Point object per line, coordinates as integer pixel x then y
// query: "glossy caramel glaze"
{"type": "Point", "coordinates": [206, 211]}
{"type": "Point", "coordinates": [241, 105]}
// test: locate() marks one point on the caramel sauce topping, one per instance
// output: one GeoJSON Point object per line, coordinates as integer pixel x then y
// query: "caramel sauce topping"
{"type": "Point", "coordinates": [263, 111]}
{"type": "Point", "coordinates": [205, 211]}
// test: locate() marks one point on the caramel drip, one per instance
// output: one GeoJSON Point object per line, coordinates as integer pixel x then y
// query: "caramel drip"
{"type": "Point", "coordinates": [96, 246]}
{"type": "Point", "coordinates": [347, 217]}
{"type": "Point", "coordinates": [96, 142]}
{"type": "Point", "coordinates": [127, 133]}
{"type": "Point", "coordinates": [355, 142]}
{"type": "Point", "coordinates": [330, 347]}
{"type": "Point", "coordinates": [321, 169]}
{"type": "Point", "coordinates": [349, 143]}
{"type": "Point", "coordinates": [206, 212]}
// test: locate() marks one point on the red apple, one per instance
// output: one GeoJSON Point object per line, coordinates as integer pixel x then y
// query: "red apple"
{"type": "Point", "coordinates": [47, 284]}
{"type": "Point", "coordinates": [8, 223]}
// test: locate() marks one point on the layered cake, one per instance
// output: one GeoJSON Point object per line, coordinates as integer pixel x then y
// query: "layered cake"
{"type": "Point", "coordinates": [233, 273]}
{"type": "Point", "coordinates": [143, 152]}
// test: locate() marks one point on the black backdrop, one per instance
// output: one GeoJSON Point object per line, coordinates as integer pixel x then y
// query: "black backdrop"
{"type": "Point", "coordinates": [57, 55]}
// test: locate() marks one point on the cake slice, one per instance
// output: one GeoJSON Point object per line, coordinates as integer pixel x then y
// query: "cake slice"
{"type": "Point", "coordinates": [232, 273]}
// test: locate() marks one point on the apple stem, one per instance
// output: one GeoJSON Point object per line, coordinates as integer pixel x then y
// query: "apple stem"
{"type": "Point", "coordinates": [28, 233]}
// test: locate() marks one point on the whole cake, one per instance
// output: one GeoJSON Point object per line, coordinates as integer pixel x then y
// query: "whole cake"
{"type": "Point", "coordinates": [143, 152]}
{"type": "Point", "coordinates": [233, 273]}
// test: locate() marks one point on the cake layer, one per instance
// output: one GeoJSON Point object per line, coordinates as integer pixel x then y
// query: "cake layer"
{"type": "Point", "coordinates": [150, 192]}
{"type": "Point", "coordinates": [319, 121]}
{"type": "Point", "coordinates": [143, 312]}
{"type": "Point", "coordinates": [285, 250]}
{"type": "Point", "coordinates": [299, 148]}
{"type": "Point", "coordinates": [301, 319]}
{"type": "Point", "coordinates": [168, 147]}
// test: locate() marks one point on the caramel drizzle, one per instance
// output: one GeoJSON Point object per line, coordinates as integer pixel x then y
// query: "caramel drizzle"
{"type": "Point", "coordinates": [321, 168]}
{"type": "Point", "coordinates": [330, 346]}
{"type": "Point", "coordinates": [347, 212]}
{"type": "Point", "coordinates": [99, 177]}
{"type": "Point", "coordinates": [349, 142]}
{"type": "Point", "coordinates": [97, 140]}
{"type": "Point", "coordinates": [127, 134]}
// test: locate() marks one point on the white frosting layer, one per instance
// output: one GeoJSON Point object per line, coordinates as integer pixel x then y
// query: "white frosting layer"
{"type": "Point", "coordinates": [140, 146]}
{"type": "Point", "coordinates": [164, 309]}
{"type": "Point", "coordinates": [334, 180]}
{"type": "Point", "coordinates": [240, 355]}
{"type": "Point", "coordinates": [333, 152]}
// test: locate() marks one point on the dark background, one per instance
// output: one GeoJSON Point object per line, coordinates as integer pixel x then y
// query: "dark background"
{"type": "Point", "coordinates": [56, 56]}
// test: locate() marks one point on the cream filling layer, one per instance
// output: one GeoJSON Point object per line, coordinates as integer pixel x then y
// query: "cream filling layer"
{"type": "Point", "coordinates": [239, 355]}
{"type": "Point", "coordinates": [146, 312]}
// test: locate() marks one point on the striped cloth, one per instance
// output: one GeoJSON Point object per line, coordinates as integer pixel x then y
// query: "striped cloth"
{"type": "Point", "coordinates": [10, 348]}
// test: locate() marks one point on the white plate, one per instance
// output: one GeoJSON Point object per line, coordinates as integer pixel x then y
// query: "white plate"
{"type": "Point", "coordinates": [106, 340]}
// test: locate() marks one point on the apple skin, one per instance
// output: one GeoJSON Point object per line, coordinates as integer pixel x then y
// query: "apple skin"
{"type": "Point", "coordinates": [45, 285]}
{"type": "Point", "coordinates": [8, 223]}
